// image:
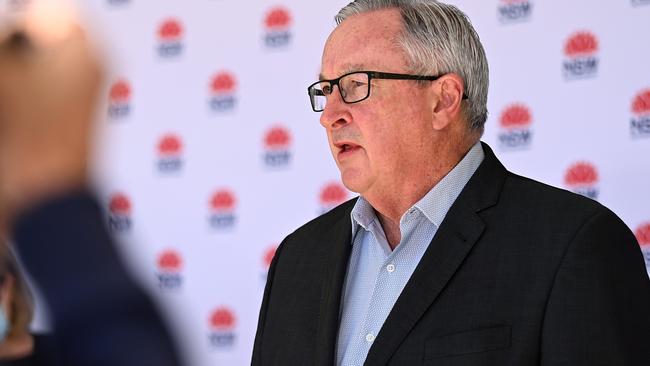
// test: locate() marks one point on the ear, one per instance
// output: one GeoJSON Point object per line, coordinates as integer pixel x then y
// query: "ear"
{"type": "Point", "coordinates": [449, 89]}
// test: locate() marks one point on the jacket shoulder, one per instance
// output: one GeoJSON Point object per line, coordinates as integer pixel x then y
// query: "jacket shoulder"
{"type": "Point", "coordinates": [545, 196]}
{"type": "Point", "coordinates": [326, 221]}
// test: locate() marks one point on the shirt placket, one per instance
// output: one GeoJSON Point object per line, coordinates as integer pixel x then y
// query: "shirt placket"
{"type": "Point", "coordinates": [387, 283]}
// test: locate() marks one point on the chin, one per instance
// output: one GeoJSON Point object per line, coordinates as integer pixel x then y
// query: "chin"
{"type": "Point", "coordinates": [354, 182]}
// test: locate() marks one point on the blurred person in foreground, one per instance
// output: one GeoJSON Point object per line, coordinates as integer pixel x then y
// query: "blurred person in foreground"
{"type": "Point", "coordinates": [446, 258]}
{"type": "Point", "coordinates": [18, 346]}
{"type": "Point", "coordinates": [49, 83]}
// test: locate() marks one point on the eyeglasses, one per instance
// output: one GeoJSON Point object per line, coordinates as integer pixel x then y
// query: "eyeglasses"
{"type": "Point", "coordinates": [354, 87]}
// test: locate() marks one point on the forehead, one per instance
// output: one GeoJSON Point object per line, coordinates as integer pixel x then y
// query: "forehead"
{"type": "Point", "coordinates": [366, 41]}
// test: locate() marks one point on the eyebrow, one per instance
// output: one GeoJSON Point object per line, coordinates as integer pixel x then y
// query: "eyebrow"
{"type": "Point", "coordinates": [348, 69]}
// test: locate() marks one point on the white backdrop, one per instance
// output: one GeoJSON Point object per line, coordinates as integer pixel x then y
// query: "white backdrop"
{"type": "Point", "coordinates": [210, 154]}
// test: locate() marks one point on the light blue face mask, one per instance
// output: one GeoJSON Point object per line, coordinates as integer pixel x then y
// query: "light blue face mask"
{"type": "Point", "coordinates": [4, 325]}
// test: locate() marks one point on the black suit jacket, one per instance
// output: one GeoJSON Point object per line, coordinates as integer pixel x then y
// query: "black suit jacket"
{"type": "Point", "coordinates": [519, 273]}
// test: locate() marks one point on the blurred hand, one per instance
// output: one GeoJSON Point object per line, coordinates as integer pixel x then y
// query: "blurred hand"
{"type": "Point", "coordinates": [49, 84]}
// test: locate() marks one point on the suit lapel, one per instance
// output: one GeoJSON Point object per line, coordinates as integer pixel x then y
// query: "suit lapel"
{"type": "Point", "coordinates": [457, 234]}
{"type": "Point", "coordinates": [338, 242]}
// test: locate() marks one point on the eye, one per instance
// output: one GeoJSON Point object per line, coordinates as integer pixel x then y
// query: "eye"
{"type": "Point", "coordinates": [354, 81]}
{"type": "Point", "coordinates": [358, 82]}
{"type": "Point", "coordinates": [327, 89]}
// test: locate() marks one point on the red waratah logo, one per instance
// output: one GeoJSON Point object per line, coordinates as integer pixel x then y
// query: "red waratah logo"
{"type": "Point", "coordinates": [277, 18]}
{"type": "Point", "coordinates": [642, 234]}
{"type": "Point", "coordinates": [169, 266]}
{"type": "Point", "coordinates": [223, 201]}
{"type": "Point", "coordinates": [515, 116]}
{"type": "Point", "coordinates": [277, 138]}
{"type": "Point", "coordinates": [222, 323]}
{"type": "Point", "coordinates": [222, 92]}
{"type": "Point", "coordinates": [169, 149]}
{"type": "Point", "coordinates": [640, 122]}
{"type": "Point", "coordinates": [515, 121]}
{"type": "Point", "coordinates": [119, 218]}
{"type": "Point", "coordinates": [581, 43]}
{"type": "Point", "coordinates": [641, 103]}
{"type": "Point", "coordinates": [119, 204]}
{"type": "Point", "coordinates": [223, 83]}
{"type": "Point", "coordinates": [333, 194]}
{"type": "Point", "coordinates": [170, 145]}
{"type": "Point", "coordinates": [278, 24]}
{"type": "Point", "coordinates": [170, 30]}
{"type": "Point", "coordinates": [581, 174]}
{"type": "Point", "coordinates": [120, 92]}
{"type": "Point", "coordinates": [222, 209]}
{"type": "Point", "coordinates": [276, 142]}
{"type": "Point", "coordinates": [170, 261]}
{"type": "Point", "coordinates": [268, 256]}
{"type": "Point", "coordinates": [580, 52]}
{"type": "Point", "coordinates": [170, 35]}
{"type": "Point", "coordinates": [222, 319]}
{"type": "Point", "coordinates": [118, 97]}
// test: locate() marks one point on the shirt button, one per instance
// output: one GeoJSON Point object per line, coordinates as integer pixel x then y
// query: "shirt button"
{"type": "Point", "coordinates": [370, 337]}
{"type": "Point", "coordinates": [390, 268]}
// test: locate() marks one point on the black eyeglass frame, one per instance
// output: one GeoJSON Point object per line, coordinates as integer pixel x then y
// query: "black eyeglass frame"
{"type": "Point", "coordinates": [371, 75]}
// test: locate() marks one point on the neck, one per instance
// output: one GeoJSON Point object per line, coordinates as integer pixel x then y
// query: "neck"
{"type": "Point", "coordinates": [391, 203]}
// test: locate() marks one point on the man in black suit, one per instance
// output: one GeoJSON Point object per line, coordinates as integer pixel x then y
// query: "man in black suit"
{"type": "Point", "coordinates": [49, 83]}
{"type": "Point", "coordinates": [446, 258]}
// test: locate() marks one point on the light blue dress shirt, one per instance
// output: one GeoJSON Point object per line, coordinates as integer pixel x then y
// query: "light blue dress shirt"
{"type": "Point", "coordinates": [376, 274]}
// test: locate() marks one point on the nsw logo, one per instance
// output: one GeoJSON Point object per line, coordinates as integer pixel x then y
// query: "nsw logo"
{"type": "Point", "coordinates": [119, 100]}
{"type": "Point", "coordinates": [513, 11]}
{"type": "Point", "coordinates": [222, 210]}
{"type": "Point", "coordinates": [277, 25]}
{"type": "Point", "coordinates": [332, 195]}
{"type": "Point", "coordinates": [223, 87]}
{"type": "Point", "coordinates": [582, 178]}
{"type": "Point", "coordinates": [119, 213]}
{"type": "Point", "coordinates": [580, 56]}
{"type": "Point", "coordinates": [169, 266]}
{"type": "Point", "coordinates": [642, 234]}
{"type": "Point", "coordinates": [640, 121]}
{"type": "Point", "coordinates": [170, 38]}
{"type": "Point", "coordinates": [515, 131]}
{"type": "Point", "coordinates": [640, 2]}
{"type": "Point", "coordinates": [170, 151]}
{"type": "Point", "coordinates": [277, 146]}
{"type": "Point", "coordinates": [222, 328]}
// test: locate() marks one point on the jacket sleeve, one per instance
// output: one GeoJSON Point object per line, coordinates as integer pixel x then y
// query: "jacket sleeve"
{"type": "Point", "coordinates": [598, 309]}
{"type": "Point", "coordinates": [100, 316]}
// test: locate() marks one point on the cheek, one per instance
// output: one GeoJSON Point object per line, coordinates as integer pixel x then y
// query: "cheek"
{"type": "Point", "coordinates": [382, 148]}
{"type": "Point", "coordinates": [380, 127]}
{"type": "Point", "coordinates": [394, 144]}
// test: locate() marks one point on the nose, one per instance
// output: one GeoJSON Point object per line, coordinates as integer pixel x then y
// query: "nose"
{"type": "Point", "coordinates": [336, 113]}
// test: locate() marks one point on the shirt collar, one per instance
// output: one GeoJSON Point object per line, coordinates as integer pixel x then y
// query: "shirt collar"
{"type": "Point", "coordinates": [435, 204]}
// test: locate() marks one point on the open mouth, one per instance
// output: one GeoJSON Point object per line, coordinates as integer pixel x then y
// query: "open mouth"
{"type": "Point", "coordinates": [346, 147]}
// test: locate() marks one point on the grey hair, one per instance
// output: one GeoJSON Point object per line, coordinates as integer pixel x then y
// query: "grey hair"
{"type": "Point", "coordinates": [438, 38]}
